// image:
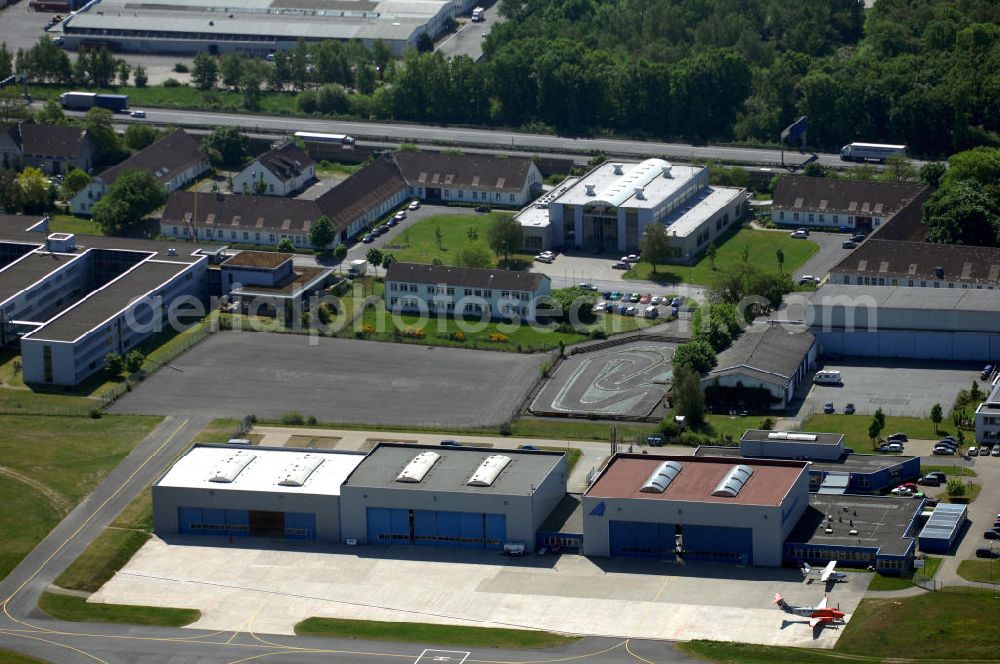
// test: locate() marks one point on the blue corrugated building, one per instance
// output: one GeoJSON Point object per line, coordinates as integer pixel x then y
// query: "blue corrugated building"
{"type": "Point", "coordinates": [941, 530]}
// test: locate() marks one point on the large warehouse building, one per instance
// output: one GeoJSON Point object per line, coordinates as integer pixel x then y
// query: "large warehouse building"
{"type": "Point", "coordinates": [918, 323]}
{"type": "Point", "coordinates": [698, 507]}
{"type": "Point", "coordinates": [253, 27]}
{"type": "Point", "coordinates": [451, 496]}
{"type": "Point", "coordinates": [253, 491]}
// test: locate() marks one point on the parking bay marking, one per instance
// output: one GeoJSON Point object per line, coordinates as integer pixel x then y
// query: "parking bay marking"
{"type": "Point", "coordinates": [450, 656]}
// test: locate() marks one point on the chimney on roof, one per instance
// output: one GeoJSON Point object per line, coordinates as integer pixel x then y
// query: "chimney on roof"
{"type": "Point", "coordinates": [666, 170]}
{"type": "Point", "coordinates": [590, 189]}
{"type": "Point", "coordinates": [640, 193]}
{"type": "Point", "coordinates": [618, 168]}
{"type": "Point", "coordinates": [939, 272]}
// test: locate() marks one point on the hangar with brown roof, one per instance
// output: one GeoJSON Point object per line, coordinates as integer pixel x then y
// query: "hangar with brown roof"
{"type": "Point", "coordinates": [853, 204]}
{"type": "Point", "coordinates": [695, 508]}
{"type": "Point", "coordinates": [879, 262]}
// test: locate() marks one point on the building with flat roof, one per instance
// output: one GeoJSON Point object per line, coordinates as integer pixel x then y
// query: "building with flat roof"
{"type": "Point", "coordinates": [988, 416]}
{"type": "Point", "coordinates": [864, 205]}
{"type": "Point", "coordinates": [267, 283]}
{"type": "Point", "coordinates": [694, 507]}
{"type": "Point", "coordinates": [244, 491]}
{"type": "Point", "coordinates": [253, 27]}
{"type": "Point", "coordinates": [878, 262]}
{"type": "Point", "coordinates": [463, 497]}
{"type": "Point", "coordinates": [174, 161]}
{"type": "Point", "coordinates": [465, 291]}
{"type": "Point", "coordinates": [857, 531]}
{"type": "Point", "coordinates": [918, 323]}
{"type": "Point", "coordinates": [792, 445]}
{"type": "Point", "coordinates": [609, 208]}
{"type": "Point", "coordinates": [943, 527]}
{"type": "Point", "coordinates": [762, 368]}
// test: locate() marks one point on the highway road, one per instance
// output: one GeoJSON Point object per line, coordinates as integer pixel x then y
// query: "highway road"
{"type": "Point", "coordinates": [25, 629]}
{"type": "Point", "coordinates": [485, 138]}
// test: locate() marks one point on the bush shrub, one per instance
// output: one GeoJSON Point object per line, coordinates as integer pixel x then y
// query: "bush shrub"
{"type": "Point", "coordinates": [311, 421]}
{"type": "Point", "coordinates": [181, 68]}
{"type": "Point", "coordinates": [292, 418]}
{"type": "Point", "coordinates": [414, 332]}
{"type": "Point", "coordinates": [171, 83]}
{"type": "Point", "coordinates": [367, 329]}
{"type": "Point", "coordinates": [457, 336]}
{"type": "Point", "coordinates": [498, 338]}
{"type": "Point", "coordinates": [598, 333]}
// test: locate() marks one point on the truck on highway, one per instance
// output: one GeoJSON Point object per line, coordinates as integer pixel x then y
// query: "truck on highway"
{"type": "Point", "coordinates": [82, 101]}
{"type": "Point", "coordinates": [871, 152]}
{"type": "Point", "coordinates": [357, 268]}
{"type": "Point", "coordinates": [478, 15]}
{"type": "Point", "coordinates": [315, 137]}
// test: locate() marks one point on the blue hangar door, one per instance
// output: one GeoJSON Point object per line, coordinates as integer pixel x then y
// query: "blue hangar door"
{"type": "Point", "coordinates": [244, 523]}
{"type": "Point", "coordinates": [467, 530]}
{"type": "Point", "coordinates": [638, 539]}
{"type": "Point", "coordinates": [718, 543]}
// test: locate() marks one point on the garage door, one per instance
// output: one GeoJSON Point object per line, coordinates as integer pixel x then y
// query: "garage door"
{"type": "Point", "coordinates": [201, 521]}
{"type": "Point", "coordinates": [638, 539]}
{"type": "Point", "coordinates": [469, 530]}
{"type": "Point", "coordinates": [718, 543]}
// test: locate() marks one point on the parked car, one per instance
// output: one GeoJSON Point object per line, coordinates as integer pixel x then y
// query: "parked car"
{"type": "Point", "coordinates": [635, 297]}
{"type": "Point", "coordinates": [809, 279]}
{"type": "Point", "coordinates": [929, 481]}
{"type": "Point", "coordinates": [482, 209]}
{"type": "Point", "coordinates": [654, 300]}
{"type": "Point", "coordinates": [996, 451]}
{"type": "Point", "coordinates": [632, 258]}
{"type": "Point", "coordinates": [392, 222]}
{"type": "Point", "coordinates": [991, 534]}
{"type": "Point", "coordinates": [943, 451]}
{"type": "Point", "coordinates": [985, 552]}
{"type": "Point", "coordinates": [828, 408]}
{"type": "Point", "coordinates": [901, 491]}
{"type": "Point", "coordinates": [859, 237]}
{"type": "Point", "coordinates": [849, 409]}
{"type": "Point", "coordinates": [585, 286]}
{"type": "Point", "coordinates": [938, 474]}
{"type": "Point", "coordinates": [798, 235]}
{"type": "Point", "coordinates": [620, 265]}
{"type": "Point", "coordinates": [985, 373]}
{"type": "Point", "coordinates": [972, 451]}
{"type": "Point", "coordinates": [654, 441]}
{"type": "Point", "coordinates": [677, 301]}
{"type": "Point", "coordinates": [615, 295]}
{"type": "Point", "coordinates": [543, 258]}
{"type": "Point", "coordinates": [399, 216]}
{"type": "Point", "coordinates": [600, 307]}
{"type": "Point", "coordinates": [646, 297]}
{"type": "Point", "coordinates": [414, 205]}
{"type": "Point", "coordinates": [138, 114]}
{"type": "Point", "coordinates": [848, 244]}
{"type": "Point", "coordinates": [631, 311]}
{"type": "Point", "coordinates": [947, 443]}
{"type": "Point", "coordinates": [984, 450]}
{"type": "Point", "coordinates": [898, 437]}
{"type": "Point", "coordinates": [451, 443]}
{"type": "Point", "coordinates": [892, 448]}
{"type": "Point", "coordinates": [802, 229]}
{"type": "Point", "coordinates": [530, 448]}
{"type": "Point", "coordinates": [368, 239]}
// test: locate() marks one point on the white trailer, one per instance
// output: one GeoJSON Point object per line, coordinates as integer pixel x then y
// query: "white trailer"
{"type": "Point", "coordinates": [357, 268]}
{"type": "Point", "coordinates": [871, 152]}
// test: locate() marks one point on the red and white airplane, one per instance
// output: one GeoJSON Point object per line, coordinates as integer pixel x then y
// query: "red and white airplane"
{"type": "Point", "coordinates": [821, 614]}
{"type": "Point", "coordinates": [828, 573]}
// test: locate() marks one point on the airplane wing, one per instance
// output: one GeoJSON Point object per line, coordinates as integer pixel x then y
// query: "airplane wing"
{"type": "Point", "coordinates": [813, 622]}
{"type": "Point", "coordinates": [828, 571]}
{"type": "Point", "coordinates": [822, 604]}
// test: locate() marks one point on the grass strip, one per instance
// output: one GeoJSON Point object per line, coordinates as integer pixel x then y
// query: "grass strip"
{"type": "Point", "coordinates": [454, 635]}
{"type": "Point", "coordinates": [77, 609]}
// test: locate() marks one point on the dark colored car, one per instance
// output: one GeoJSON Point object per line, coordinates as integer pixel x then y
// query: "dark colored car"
{"type": "Point", "coordinates": [849, 409]}
{"type": "Point", "coordinates": [984, 552]}
{"type": "Point", "coordinates": [938, 474]}
{"type": "Point", "coordinates": [368, 239]}
{"type": "Point", "coordinates": [898, 437]}
{"type": "Point", "coordinates": [829, 408]}
{"type": "Point", "coordinates": [530, 448]}
{"type": "Point", "coordinates": [482, 209]}
{"type": "Point", "coordinates": [929, 481]}
{"type": "Point", "coordinates": [451, 443]}
{"type": "Point", "coordinates": [654, 441]}
{"type": "Point", "coordinates": [991, 534]}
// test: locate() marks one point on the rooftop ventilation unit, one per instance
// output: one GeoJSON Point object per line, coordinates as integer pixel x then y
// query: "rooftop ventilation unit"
{"type": "Point", "coordinates": [640, 193]}
{"type": "Point", "coordinates": [489, 470]}
{"type": "Point", "coordinates": [661, 477]}
{"type": "Point", "coordinates": [618, 168]}
{"type": "Point", "coordinates": [231, 466]}
{"type": "Point", "coordinates": [60, 242]}
{"type": "Point", "coordinates": [298, 471]}
{"type": "Point", "coordinates": [730, 485]}
{"type": "Point", "coordinates": [666, 170]}
{"type": "Point", "coordinates": [418, 467]}
{"type": "Point", "coordinates": [785, 435]}
{"type": "Point", "coordinates": [590, 189]}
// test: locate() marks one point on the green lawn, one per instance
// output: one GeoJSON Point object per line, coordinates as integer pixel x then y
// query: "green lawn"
{"type": "Point", "coordinates": [67, 223]}
{"type": "Point", "coordinates": [114, 547]}
{"type": "Point", "coordinates": [978, 569]}
{"type": "Point", "coordinates": [573, 456]}
{"type": "Point", "coordinates": [855, 428]}
{"type": "Point", "coordinates": [971, 493]}
{"type": "Point", "coordinates": [218, 431]}
{"type": "Point", "coordinates": [763, 254]}
{"type": "Point", "coordinates": [11, 657]}
{"type": "Point", "coordinates": [51, 463]}
{"type": "Point", "coordinates": [958, 471]}
{"type": "Point", "coordinates": [325, 167]}
{"type": "Point", "coordinates": [419, 241]}
{"type": "Point", "coordinates": [951, 626]}
{"type": "Point", "coordinates": [481, 637]}
{"type": "Point", "coordinates": [77, 609]}
{"type": "Point", "coordinates": [184, 97]}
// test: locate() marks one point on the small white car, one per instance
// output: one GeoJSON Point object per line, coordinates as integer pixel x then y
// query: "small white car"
{"type": "Point", "coordinates": [655, 300]}
{"type": "Point", "coordinates": [399, 216]}
{"type": "Point", "coordinates": [138, 114]}
{"type": "Point", "coordinates": [902, 491]}
{"type": "Point", "coordinates": [996, 451]}
{"type": "Point", "coordinates": [632, 258]}
{"type": "Point", "coordinates": [414, 205]}
{"type": "Point", "coordinates": [542, 258]}
{"type": "Point", "coordinates": [799, 235]}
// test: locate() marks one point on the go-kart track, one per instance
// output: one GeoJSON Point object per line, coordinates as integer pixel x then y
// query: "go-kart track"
{"type": "Point", "coordinates": [621, 381]}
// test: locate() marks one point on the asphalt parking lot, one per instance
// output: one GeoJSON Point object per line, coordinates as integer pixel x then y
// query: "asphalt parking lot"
{"type": "Point", "coordinates": [628, 380]}
{"type": "Point", "coordinates": [907, 387]}
{"type": "Point", "coordinates": [338, 380]}
{"type": "Point", "coordinates": [268, 587]}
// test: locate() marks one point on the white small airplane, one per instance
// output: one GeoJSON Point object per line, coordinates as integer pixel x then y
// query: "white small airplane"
{"type": "Point", "coordinates": [821, 614]}
{"type": "Point", "coordinates": [825, 574]}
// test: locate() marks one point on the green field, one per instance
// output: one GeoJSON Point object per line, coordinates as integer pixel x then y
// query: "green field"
{"type": "Point", "coordinates": [67, 223]}
{"type": "Point", "coordinates": [77, 609]}
{"type": "Point", "coordinates": [184, 97]}
{"type": "Point", "coordinates": [10, 657]}
{"type": "Point", "coordinates": [419, 241]}
{"type": "Point", "coordinates": [979, 569]}
{"type": "Point", "coordinates": [114, 547]}
{"type": "Point", "coordinates": [49, 464]}
{"type": "Point", "coordinates": [763, 254]}
{"type": "Point", "coordinates": [957, 471]}
{"type": "Point", "coordinates": [481, 637]}
{"type": "Point", "coordinates": [855, 428]}
{"type": "Point", "coordinates": [953, 626]}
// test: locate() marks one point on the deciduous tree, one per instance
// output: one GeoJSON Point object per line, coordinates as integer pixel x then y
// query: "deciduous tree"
{"type": "Point", "coordinates": [321, 234]}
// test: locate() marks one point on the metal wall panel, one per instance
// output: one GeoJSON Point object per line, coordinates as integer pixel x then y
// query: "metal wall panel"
{"type": "Point", "coordinates": [496, 531]}
{"type": "Point", "coordinates": [300, 526]}
{"type": "Point", "coordinates": [718, 543]}
{"type": "Point", "coordinates": [639, 539]}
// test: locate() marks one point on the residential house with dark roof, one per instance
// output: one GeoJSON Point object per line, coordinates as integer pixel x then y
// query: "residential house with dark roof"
{"type": "Point", "coordinates": [864, 205]}
{"type": "Point", "coordinates": [470, 178]}
{"type": "Point", "coordinates": [762, 368]}
{"type": "Point", "coordinates": [56, 149]}
{"type": "Point", "coordinates": [280, 171]}
{"type": "Point", "coordinates": [174, 161]}
{"type": "Point", "coordinates": [879, 262]}
{"type": "Point", "coordinates": [464, 291]}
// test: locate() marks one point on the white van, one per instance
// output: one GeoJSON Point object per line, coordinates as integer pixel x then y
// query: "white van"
{"type": "Point", "coordinates": [650, 312]}
{"type": "Point", "coordinates": [827, 378]}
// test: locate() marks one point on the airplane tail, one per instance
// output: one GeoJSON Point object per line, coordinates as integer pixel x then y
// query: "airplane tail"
{"type": "Point", "coordinates": [782, 604]}
{"type": "Point", "coordinates": [806, 570]}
